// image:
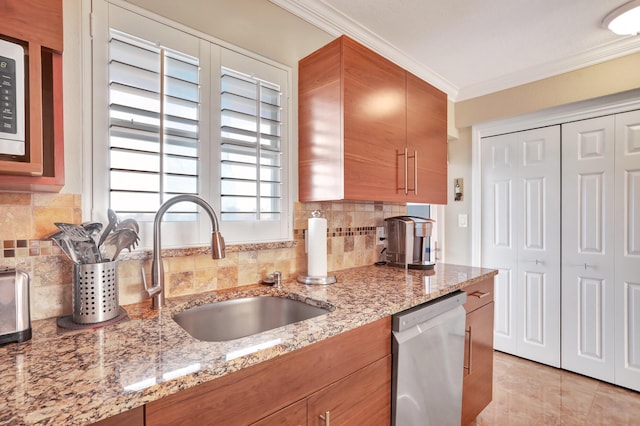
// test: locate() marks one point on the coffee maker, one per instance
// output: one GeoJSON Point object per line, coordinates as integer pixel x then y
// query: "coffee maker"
{"type": "Point", "coordinates": [409, 242]}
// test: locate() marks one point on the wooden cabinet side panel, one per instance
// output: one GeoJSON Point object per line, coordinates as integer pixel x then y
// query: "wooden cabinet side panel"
{"type": "Point", "coordinates": [363, 398]}
{"type": "Point", "coordinates": [254, 392]}
{"type": "Point", "coordinates": [39, 21]}
{"type": "Point", "coordinates": [320, 125]}
{"type": "Point", "coordinates": [427, 135]}
{"type": "Point", "coordinates": [477, 390]}
{"type": "Point", "coordinates": [374, 125]}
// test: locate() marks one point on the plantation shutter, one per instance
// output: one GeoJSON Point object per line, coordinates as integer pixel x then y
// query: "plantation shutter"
{"type": "Point", "coordinates": [154, 104]}
{"type": "Point", "coordinates": [251, 152]}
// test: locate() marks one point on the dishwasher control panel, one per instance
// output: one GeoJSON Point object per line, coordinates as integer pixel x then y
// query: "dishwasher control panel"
{"type": "Point", "coordinates": [424, 312]}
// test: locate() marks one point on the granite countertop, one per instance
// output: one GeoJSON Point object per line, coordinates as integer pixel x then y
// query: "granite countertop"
{"type": "Point", "coordinates": [80, 377]}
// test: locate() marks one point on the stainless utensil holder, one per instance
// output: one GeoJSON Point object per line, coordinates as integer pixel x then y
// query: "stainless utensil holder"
{"type": "Point", "coordinates": [95, 292]}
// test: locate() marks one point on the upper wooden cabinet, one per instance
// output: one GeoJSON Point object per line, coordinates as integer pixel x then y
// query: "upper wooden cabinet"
{"type": "Point", "coordinates": [36, 25]}
{"type": "Point", "coordinates": [368, 129]}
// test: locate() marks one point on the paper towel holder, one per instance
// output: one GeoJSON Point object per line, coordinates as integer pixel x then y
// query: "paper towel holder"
{"type": "Point", "coordinates": [316, 280]}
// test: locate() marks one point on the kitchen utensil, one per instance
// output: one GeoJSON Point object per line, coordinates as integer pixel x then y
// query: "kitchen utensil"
{"type": "Point", "coordinates": [74, 232]}
{"type": "Point", "coordinates": [113, 220]}
{"type": "Point", "coordinates": [129, 224]}
{"type": "Point", "coordinates": [122, 238]}
{"type": "Point", "coordinates": [83, 245]}
{"type": "Point", "coordinates": [93, 229]}
{"type": "Point", "coordinates": [63, 241]}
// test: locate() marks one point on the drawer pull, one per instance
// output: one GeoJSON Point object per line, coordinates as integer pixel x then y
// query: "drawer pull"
{"type": "Point", "coordinates": [479, 294]}
{"type": "Point", "coordinates": [470, 353]}
{"type": "Point", "coordinates": [326, 417]}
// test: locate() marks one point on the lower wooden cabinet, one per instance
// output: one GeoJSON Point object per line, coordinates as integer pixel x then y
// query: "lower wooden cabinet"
{"type": "Point", "coordinates": [478, 358]}
{"type": "Point", "coordinates": [361, 398]}
{"type": "Point", "coordinates": [348, 375]}
{"type": "Point", "coordinates": [293, 415]}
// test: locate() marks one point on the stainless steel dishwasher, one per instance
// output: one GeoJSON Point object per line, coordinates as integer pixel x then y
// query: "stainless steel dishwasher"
{"type": "Point", "coordinates": [428, 357]}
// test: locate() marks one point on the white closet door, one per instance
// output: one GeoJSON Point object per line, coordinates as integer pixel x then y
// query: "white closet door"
{"type": "Point", "coordinates": [499, 248]}
{"type": "Point", "coordinates": [627, 249]}
{"type": "Point", "coordinates": [521, 228]}
{"type": "Point", "coordinates": [539, 245]}
{"type": "Point", "coordinates": [587, 247]}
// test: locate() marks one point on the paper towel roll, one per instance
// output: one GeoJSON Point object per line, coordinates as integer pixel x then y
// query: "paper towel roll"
{"type": "Point", "coordinates": [317, 247]}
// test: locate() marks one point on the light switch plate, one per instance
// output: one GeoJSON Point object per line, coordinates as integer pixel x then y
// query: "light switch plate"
{"type": "Point", "coordinates": [462, 221]}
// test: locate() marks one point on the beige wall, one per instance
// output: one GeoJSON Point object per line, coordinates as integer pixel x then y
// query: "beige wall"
{"type": "Point", "coordinates": [615, 76]}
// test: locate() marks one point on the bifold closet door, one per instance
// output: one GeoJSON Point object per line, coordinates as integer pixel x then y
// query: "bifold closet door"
{"type": "Point", "coordinates": [627, 250]}
{"type": "Point", "coordinates": [587, 247]}
{"type": "Point", "coordinates": [520, 238]}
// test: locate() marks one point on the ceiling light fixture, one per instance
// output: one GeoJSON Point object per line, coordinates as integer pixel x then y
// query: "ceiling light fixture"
{"type": "Point", "coordinates": [624, 20]}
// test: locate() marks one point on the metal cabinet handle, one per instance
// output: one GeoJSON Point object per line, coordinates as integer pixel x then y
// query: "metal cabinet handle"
{"type": "Point", "coordinates": [415, 171]}
{"type": "Point", "coordinates": [326, 418]}
{"type": "Point", "coordinates": [539, 262]}
{"type": "Point", "coordinates": [479, 294]}
{"type": "Point", "coordinates": [469, 352]}
{"type": "Point", "coordinates": [406, 171]}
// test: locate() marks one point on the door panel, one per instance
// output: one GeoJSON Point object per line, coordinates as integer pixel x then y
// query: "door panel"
{"type": "Point", "coordinates": [587, 249]}
{"type": "Point", "coordinates": [590, 216]}
{"type": "Point", "coordinates": [503, 296]}
{"type": "Point", "coordinates": [534, 317]}
{"type": "Point", "coordinates": [521, 228]}
{"type": "Point", "coordinates": [627, 249]}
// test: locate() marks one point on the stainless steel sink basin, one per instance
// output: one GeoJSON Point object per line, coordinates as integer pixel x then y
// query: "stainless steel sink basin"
{"type": "Point", "coordinates": [232, 319]}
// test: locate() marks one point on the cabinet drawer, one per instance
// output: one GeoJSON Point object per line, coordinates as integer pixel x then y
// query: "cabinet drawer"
{"type": "Point", "coordinates": [479, 294]}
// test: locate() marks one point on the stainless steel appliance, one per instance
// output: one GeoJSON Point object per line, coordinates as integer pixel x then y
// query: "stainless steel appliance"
{"type": "Point", "coordinates": [15, 320]}
{"type": "Point", "coordinates": [428, 358]}
{"type": "Point", "coordinates": [409, 242]}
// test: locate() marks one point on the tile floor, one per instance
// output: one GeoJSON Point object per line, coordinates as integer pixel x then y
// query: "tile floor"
{"type": "Point", "coordinates": [528, 393]}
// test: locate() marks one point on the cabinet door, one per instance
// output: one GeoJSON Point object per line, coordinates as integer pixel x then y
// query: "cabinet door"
{"type": "Point", "coordinates": [627, 251]}
{"type": "Point", "coordinates": [374, 125]}
{"type": "Point", "coordinates": [426, 142]}
{"type": "Point", "coordinates": [293, 415]}
{"type": "Point", "coordinates": [362, 398]}
{"type": "Point", "coordinates": [478, 363]}
{"type": "Point", "coordinates": [587, 247]}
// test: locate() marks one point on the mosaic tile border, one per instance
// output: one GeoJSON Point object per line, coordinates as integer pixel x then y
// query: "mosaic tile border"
{"type": "Point", "coordinates": [31, 248]}
{"type": "Point", "coordinates": [28, 248]}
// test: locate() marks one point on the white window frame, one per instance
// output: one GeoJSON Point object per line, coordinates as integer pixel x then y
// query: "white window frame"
{"type": "Point", "coordinates": [213, 54]}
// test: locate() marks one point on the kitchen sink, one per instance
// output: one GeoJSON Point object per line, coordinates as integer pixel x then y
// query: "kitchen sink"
{"type": "Point", "coordinates": [235, 318]}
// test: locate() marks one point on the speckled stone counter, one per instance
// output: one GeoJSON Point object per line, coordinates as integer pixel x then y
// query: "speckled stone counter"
{"type": "Point", "coordinates": [80, 377]}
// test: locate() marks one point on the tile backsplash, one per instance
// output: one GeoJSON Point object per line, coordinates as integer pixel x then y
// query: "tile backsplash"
{"type": "Point", "coordinates": [26, 220]}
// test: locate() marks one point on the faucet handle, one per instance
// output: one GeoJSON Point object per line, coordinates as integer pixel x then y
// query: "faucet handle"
{"type": "Point", "coordinates": [151, 291]}
{"type": "Point", "coordinates": [277, 275]}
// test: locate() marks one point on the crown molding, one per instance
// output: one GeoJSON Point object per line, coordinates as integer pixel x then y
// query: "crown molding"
{"type": "Point", "coordinates": [617, 49]}
{"type": "Point", "coordinates": [327, 18]}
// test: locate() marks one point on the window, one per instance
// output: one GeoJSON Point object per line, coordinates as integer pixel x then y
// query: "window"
{"type": "Point", "coordinates": [250, 152]}
{"type": "Point", "coordinates": [178, 112]}
{"type": "Point", "coordinates": [153, 126]}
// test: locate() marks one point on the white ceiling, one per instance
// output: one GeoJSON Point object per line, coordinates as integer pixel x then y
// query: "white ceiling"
{"type": "Point", "coordinates": [470, 48]}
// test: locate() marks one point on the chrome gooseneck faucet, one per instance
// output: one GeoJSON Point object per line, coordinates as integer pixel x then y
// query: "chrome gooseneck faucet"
{"type": "Point", "coordinates": [156, 292]}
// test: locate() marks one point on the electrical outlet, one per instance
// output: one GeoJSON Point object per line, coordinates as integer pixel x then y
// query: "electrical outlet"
{"type": "Point", "coordinates": [380, 235]}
